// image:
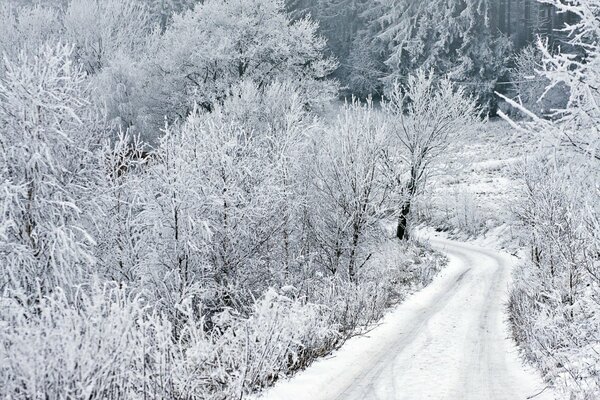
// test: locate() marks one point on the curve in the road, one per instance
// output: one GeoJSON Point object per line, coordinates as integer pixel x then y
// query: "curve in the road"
{"type": "Point", "coordinates": [449, 341]}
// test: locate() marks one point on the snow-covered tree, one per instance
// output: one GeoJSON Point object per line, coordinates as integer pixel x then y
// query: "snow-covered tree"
{"type": "Point", "coordinates": [554, 302]}
{"type": "Point", "coordinates": [219, 197]}
{"type": "Point", "coordinates": [366, 60]}
{"type": "Point", "coordinates": [26, 28]}
{"type": "Point", "coordinates": [164, 10]}
{"type": "Point", "coordinates": [452, 37]}
{"type": "Point", "coordinates": [120, 90]}
{"type": "Point", "coordinates": [530, 86]}
{"type": "Point", "coordinates": [578, 123]}
{"type": "Point", "coordinates": [428, 115]}
{"type": "Point", "coordinates": [192, 267]}
{"type": "Point", "coordinates": [100, 30]}
{"type": "Point", "coordinates": [351, 192]}
{"type": "Point", "coordinates": [119, 236]}
{"type": "Point", "coordinates": [48, 135]}
{"type": "Point", "coordinates": [558, 286]}
{"type": "Point", "coordinates": [351, 28]}
{"type": "Point", "coordinates": [211, 48]}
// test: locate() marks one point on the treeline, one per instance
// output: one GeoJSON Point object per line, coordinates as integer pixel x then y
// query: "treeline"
{"type": "Point", "coordinates": [378, 42]}
{"type": "Point", "coordinates": [366, 46]}
{"type": "Point", "coordinates": [477, 43]}
{"type": "Point", "coordinates": [177, 222]}
{"type": "Point", "coordinates": [145, 74]}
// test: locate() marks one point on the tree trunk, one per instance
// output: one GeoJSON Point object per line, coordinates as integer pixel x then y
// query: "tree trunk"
{"type": "Point", "coordinates": [410, 191]}
{"type": "Point", "coordinates": [402, 228]}
{"type": "Point", "coordinates": [352, 261]}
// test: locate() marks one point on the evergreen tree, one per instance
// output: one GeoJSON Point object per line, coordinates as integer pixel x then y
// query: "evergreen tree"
{"type": "Point", "coordinates": [340, 22]}
{"type": "Point", "coordinates": [451, 37]}
{"type": "Point", "coordinates": [366, 61]}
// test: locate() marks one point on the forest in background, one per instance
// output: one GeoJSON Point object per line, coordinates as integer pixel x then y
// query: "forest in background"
{"type": "Point", "coordinates": [183, 218]}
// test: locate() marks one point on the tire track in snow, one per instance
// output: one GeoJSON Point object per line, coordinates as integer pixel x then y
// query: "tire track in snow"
{"type": "Point", "coordinates": [449, 341]}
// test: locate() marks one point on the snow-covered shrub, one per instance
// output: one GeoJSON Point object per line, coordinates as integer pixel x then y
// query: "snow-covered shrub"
{"type": "Point", "coordinates": [279, 336]}
{"type": "Point", "coordinates": [107, 342]}
{"type": "Point", "coordinates": [49, 137]}
{"type": "Point", "coordinates": [555, 300]}
{"type": "Point", "coordinates": [240, 354]}
{"type": "Point", "coordinates": [466, 216]}
{"type": "Point", "coordinates": [394, 271]}
{"type": "Point", "coordinates": [457, 212]}
{"type": "Point", "coordinates": [90, 344]}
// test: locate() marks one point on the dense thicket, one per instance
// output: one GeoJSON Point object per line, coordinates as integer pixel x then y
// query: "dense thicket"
{"type": "Point", "coordinates": [555, 300]}
{"type": "Point", "coordinates": [176, 220]}
{"type": "Point", "coordinates": [180, 221]}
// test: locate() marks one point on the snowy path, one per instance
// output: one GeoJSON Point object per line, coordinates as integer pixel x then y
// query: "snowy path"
{"type": "Point", "coordinates": [448, 341]}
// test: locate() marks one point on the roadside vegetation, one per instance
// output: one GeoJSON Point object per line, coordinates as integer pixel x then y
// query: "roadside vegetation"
{"type": "Point", "coordinates": [188, 212]}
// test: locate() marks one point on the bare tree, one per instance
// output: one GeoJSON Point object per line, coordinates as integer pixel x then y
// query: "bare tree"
{"type": "Point", "coordinates": [351, 189]}
{"type": "Point", "coordinates": [427, 116]}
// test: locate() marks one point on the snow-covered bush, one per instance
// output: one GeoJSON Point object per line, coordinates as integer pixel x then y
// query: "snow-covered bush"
{"type": "Point", "coordinates": [107, 342]}
{"type": "Point", "coordinates": [279, 336]}
{"type": "Point", "coordinates": [465, 213]}
{"type": "Point", "coordinates": [394, 271]}
{"type": "Point", "coordinates": [49, 137]}
{"type": "Point", "coordinates": [554, 303]}
{"type": "Point", "coordinates": [94, 344]}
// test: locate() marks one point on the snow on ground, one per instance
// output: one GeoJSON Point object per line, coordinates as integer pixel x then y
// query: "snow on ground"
{"type": "Point", "coordinates": [449, 341]}
{"type": "Point", "coordinates": [476, 190]}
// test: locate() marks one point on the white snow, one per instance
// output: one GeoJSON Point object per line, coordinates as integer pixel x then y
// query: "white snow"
{"type": "Point", "coordinates": [449, 341]}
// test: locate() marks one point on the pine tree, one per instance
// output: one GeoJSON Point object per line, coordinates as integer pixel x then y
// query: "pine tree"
{"type": "Point", "coordinates": [381, 41]}
{"type": "Point", "coordinates": [450, 37]}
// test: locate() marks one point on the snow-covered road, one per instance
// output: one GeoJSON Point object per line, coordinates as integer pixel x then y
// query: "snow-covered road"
{"type": "Point", "coordinates": [449, 341]}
